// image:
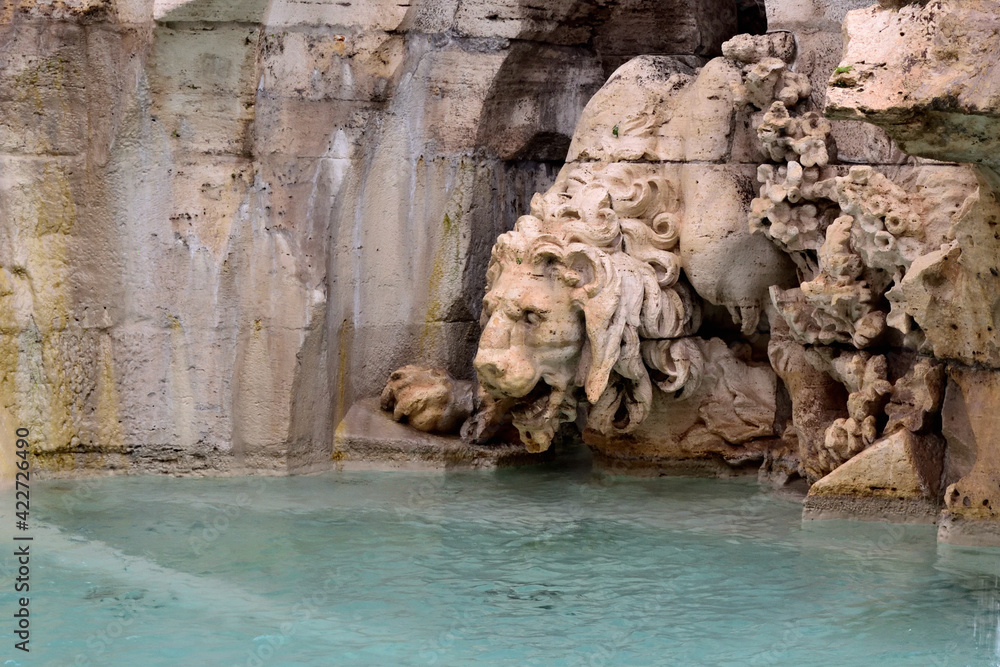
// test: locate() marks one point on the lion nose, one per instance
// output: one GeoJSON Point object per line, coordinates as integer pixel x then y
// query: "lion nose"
{"type": "Point", "coordinates": [506, 372]}
{"type": "Point", "coordinates": [491, 371]}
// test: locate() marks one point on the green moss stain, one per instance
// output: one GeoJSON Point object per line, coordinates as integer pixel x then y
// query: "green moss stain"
{"type": "Point", "coordinates": [59, 379]}
{"type": "Point", "coordinates": [446, 264]}
{"type": "Point", "coordinates": [345, 339]}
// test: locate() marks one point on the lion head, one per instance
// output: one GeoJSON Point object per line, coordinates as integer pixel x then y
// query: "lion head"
{"type": "Point", "coordinates": [571, 293]}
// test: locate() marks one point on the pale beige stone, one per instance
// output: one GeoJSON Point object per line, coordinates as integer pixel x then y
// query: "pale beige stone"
{"type": "Point", "coordinates": [712, 413]}
{"type": "Point", "coordinates": [926, 73]}
{"type": "Point", "coordinates": [437, 402]}
{"type": "Point", "coordinates": [953, 293]}
{"type": "Point", "coordinates": [755, 48]}
{"type": "Point", "coordinates": [581, 288]}
{"type": "Point", "coordinates": [566, 256]}
{"type": "Point", "coordinates": [957, 430]}
{"type": "Point", "coordinates": [916, 398]}
{"type": "Point", "coordinates": [817, 401]}
{"type": "Point", "coordinates": [809, 15]}
{"type": "Point", "coordinates": [654, 108]}
{"type": "Point", "coordinates": [896, 479]}
{"type": "Point", "coordinates": [977, 494]}
{"type": "Point", "coordinates": [263, 208]}
{"type": "Point", "coordinates": [864, 376]}
{"type": "Point", "coordinates": [901, 465]}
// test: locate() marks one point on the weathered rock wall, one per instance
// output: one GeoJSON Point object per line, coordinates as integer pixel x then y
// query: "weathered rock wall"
{"type": "Point", "coordinates": [927, 74]}
{"type": "Point", "coordinates": [223, 222]}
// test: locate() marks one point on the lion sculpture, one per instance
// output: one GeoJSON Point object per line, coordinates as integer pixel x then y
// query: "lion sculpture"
{"type": "Point", "coordinates": [593, 300]}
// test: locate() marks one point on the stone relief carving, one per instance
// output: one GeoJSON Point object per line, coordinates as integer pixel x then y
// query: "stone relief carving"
{"type": "Point", "coordinates": [592, 299]}
{"type": "Point", "coordinates": [604, 300]}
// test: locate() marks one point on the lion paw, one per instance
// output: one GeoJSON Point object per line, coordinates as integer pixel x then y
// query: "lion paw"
{"type": "Point", "coordinates": [427, 398]}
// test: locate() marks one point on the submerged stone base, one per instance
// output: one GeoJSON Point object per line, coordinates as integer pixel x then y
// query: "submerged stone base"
{"type": "Point", "coordinates": [708, 466]}
{"type": "Point", "coordinates": [965, 532]}
{"type": "Point", "coordinates": [896, 510]}
{"type": "Point", "coordinates": [368, 439]}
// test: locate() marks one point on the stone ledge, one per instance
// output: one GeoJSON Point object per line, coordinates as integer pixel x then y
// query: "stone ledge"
{"type": "Point", "coordinates": [895, 510]}
{"type": "Point", "coordinates": [709, 465]}
{"type": "Point", "coordinates": [968, 532]}
{"type": "Point", "coordinates": [368, 439]}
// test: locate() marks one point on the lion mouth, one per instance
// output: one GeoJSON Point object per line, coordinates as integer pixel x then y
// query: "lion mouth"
{"type": "Point", "coordinates": [538, 414]}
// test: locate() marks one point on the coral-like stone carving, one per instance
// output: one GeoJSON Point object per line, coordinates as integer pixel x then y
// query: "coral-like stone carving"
{"type": "Point", "coordinates": [916, 398]}
{"type": "Point", "coordinates": [854, 237]}
{"type": "Point", "coordinates": [864, 376]}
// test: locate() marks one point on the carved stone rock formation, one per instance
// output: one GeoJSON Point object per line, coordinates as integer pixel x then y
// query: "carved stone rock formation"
{"type": "Point", "coordinates": [222, 222]}
{"type": "Point", "coordinates": [714, 413]}
{"type": "Point", "coordinates": [606, 298]}
{"type": "Point", "coordinates": [927, 74]}
{"type": "Point", "coordinates": [433, 400]}
{"type": "Point", "coordinates": [973, 501]}
{"type": "Point", "coordinates": [592, 298]}
{"type": "Point", "coordinates": [368, 438]}
{"type": "Point", "coordinates": [896, 478]}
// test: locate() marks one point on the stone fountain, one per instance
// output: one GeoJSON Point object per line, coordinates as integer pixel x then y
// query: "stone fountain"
{"type": "Point", "coordinates": [706, 288]}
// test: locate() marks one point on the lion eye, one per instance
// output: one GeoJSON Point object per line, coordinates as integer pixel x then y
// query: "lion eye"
{"type": "Point", "coordinates": [532, 317]}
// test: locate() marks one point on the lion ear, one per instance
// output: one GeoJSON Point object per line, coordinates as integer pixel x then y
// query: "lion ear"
{"type": "Point", "coordinates": [610, 303]}
{"type": "Point", "coordinates": [605, 327]}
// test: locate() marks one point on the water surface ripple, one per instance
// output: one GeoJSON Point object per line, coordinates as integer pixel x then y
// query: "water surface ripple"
{"type": "Point", "coordinates": [540, 566]}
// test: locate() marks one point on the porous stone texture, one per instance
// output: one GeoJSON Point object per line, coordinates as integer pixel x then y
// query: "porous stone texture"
{"type": "Point", "coordinates": [819, 44]}
{"type": "Point", "coordinates": [603, 301]}
{"type": "Point", "coordinates": [926, 73]}
{"type": "Point", "coordinates": [896, 479]}
{"type": "Point", "coordinates": [594, 298]}
{"type": "Point", "coordinates": [223, 222]}
{"type": "Point", "coordinates": [973, 431]}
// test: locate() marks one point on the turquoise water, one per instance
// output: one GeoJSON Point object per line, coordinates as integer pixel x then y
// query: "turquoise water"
{"type": "Point", "coordinates": [540, 566]}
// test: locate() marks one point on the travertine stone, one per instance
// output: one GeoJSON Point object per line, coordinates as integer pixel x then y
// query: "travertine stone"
{"type": "Point", "coordinates": [819, 42]}
{"type": "Point", "coordinates": [751, 49]}
{"type": "Point", "coordinates": [809, 15]}
{"type": "Point", "coordinates": [864, 376]}
{"type": "Point", "coordinates": [598, 287]}
{"type": "Point", "coordinates": [920, 242]}
{"type": "Point", "coordinates": [953, 293]}
{"type": "Point", "coordinates": [654, 109]}
{"type": "Point", "coordinates": [608, 241]}
{"type": "Point", "coordinates": [714, 412]}
{"type": "Point", "coordinates": [957, 430]}
{"type": "Point", "coordinates": [916, 398]}
{"type": "Point", "coordinates": [818, 401]}
{"type": "Point", "coordinates": [224, 222]}
{"type": "Point", "coordinates": [977, 494]}
{"type": "Point", "coordinates": [438, 402]}
{"type": "Point", "coordinates": [926, 73]}
{"type": "Point", "coordinates": [895, 479]}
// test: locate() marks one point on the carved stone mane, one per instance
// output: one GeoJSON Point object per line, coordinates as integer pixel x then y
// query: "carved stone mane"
{"type": "Point", "coordinates": [613, 239]}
